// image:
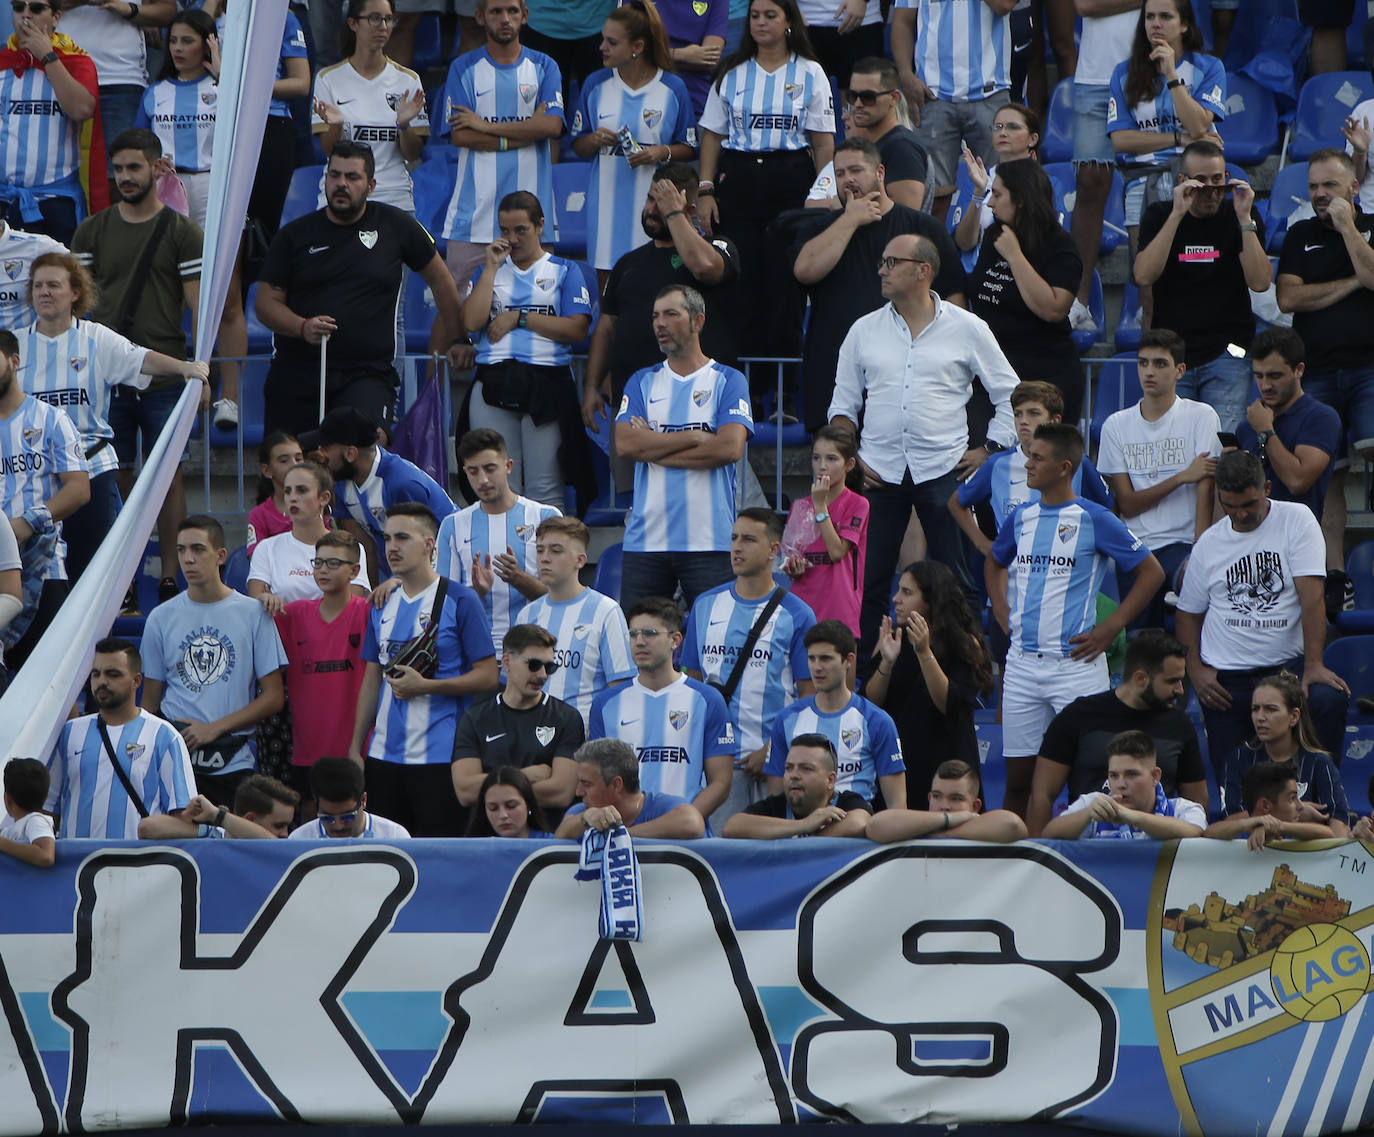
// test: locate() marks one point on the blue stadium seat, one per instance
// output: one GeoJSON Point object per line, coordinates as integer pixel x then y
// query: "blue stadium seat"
{"type": "Point", "coordinates": [252, 375]}
{"type": "Point", "coordinates": [1056, 144]}
{"type": "Point", "coordinates": [236, 570]}
{"type": "Point", "coordinates": [1118, 386]}
{"type": "Point", "coordinates": [304, 195]}
{"type": "Point", "coordinates": [1323, 104]}
{"type": "Point", "coordinates": [433, 183]}
{"type": "Point", "coordinates": [1352, 658]}
{"type": "Point", "coordinates": [570, 192]}
{"type": "Point", "coordinates": [1097, 306]}
{"type": "Point", "coordinates": [419, 314]}
{"type": "Point", "coordinates": [1065, 195]}
{"type": "Point", "coordinates": [1127, 336]}
{"type": "Point", "coordinates": [1359, 566]}
{"type": "Point", "coordinates": [259, 335]}
{"type": "Point", "coordinates": [428, 50]}
{"type": "Point", "coordinates": [1355, 37]}
{"type": "Point", "coordinates": [608, 508]}
{"type": "Point", "coordinates": [608, 569]}
{"type": "Point", "coordinates": [594, 292]}
{"type": "Point", "coordinates": [1288, 193]}
{"type": "Point", "coordinates": [1251, 126]}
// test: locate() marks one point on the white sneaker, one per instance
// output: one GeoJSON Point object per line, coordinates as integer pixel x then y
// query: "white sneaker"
{"type": "Point", "coordinates": [1080, 318]}
{"type": "Point", "coordinates": [226, 414]}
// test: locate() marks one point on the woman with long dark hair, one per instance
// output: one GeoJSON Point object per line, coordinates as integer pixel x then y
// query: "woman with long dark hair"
{"type": "Point", "coordinates": [1166, 95]}
{"type": "Point", "coordinates": [931, 668]}
{"type": "Point", "coordinates": [1025, 281]}
{"type": "Point", "coordinates": [1015, 135]}
{"type": "Point", "coordinates": [1284, 733]}
{"type": "Point", "coordinates": [506, 807]}
{"type": "Point", "coordinates": [768, 129]}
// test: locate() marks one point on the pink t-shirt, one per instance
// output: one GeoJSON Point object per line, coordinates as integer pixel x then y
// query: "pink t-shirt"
{"type": "Point", "coordinates": [323, 674]}
{"type": "Point", "coordinates": [834, 590]}
{"type": "Point", "coordinates": [265, 520]}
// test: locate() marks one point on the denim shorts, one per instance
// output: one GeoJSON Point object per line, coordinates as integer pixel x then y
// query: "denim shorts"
{"type": "Point", "coordinates": [131, 411]}
{"type": "Point", "coordinates": [1090, 141]}
{"type": "Point", "coordinates": [1350, 393]}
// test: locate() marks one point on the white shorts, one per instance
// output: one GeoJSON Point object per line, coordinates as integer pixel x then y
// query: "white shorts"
{"type": "Point", "coordinates": [1035, 687]}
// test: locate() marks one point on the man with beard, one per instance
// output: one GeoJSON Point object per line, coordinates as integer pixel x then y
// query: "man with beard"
{"type": "Point", "coordinates": [336, 275]}
{"type": "Point", "coordinates": [145, 260]}
{"type": "Point", "coordinates": [149, 757]}
{"type": "Point", "coordinates": [1202, 255]}
{"type": "Point", "coordinates": [1074, 750]}
{"type": "Point", "coordinates": [808, 805]}
{"type": "Point", "coordinates": [837, 264]}
{"type": "Point", "coordinates": [369, 480]}
{"type": "Point", "coordinates": [623, 339]}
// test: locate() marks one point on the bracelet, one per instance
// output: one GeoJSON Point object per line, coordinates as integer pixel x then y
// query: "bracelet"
{"type": "Point", "coordinates": [220, 816]}
{"type": "Point", "coordinates": [946, 824]}
{"type": "Point", "coordinates": [304, 321]}
{"type": "Point", "coordinates": [673, 213]}
{"type": "Point", "coordinates": [1175, 139]}
{"type": "Point", "coordinates": [708, 192]}
{"type": "Point", "coordinates": [1172, 83]}
{"type": "Point", "coordinates": [133, 12]}
{"type": "Point", "coordinates": [884, 674]}
{"type": "Point", "coordinates": [504, 144]}
{"type": "Point", "coordinates": [1359, 153]}
{"type": "Point", "coordinates": [705, 184]}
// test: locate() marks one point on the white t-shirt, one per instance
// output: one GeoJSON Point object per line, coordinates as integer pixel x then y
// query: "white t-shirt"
{"type": "Point", "coordinates": [1365, 111]}
{"type": "Point", "coordinates": [283, 563]}
{"type": "Point", "coordinates": [1105, 42]}
{"type": "Point", "coordinates": [27, 829]}
{"type": "Point", "coordinates": [1184, 809]}
{"type": "Point", "coordinates": [1245, 583]}
{"type": "Point", "coordinates": [822, 14]}
{"type": "Point", "coordinates": [369, 110]}
{"type": "Point", "coordinates": [116, 45]}
{"type": "Point", "coordinates": [1153, 452]}
{"type": "Point", "coordinates": [377, 829]}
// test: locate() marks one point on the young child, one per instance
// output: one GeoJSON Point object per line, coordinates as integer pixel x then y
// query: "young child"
{"type": "Point", "coordinates": [827, 534]}
{"type": "Point", "coordinates": [1135, 806]}
{"type": "Point", "coordinates": [277, 456]}
{"type": "Point", "coordinates": [1275, 812]}
{"type": "Point", "coordinates": [26, 833]}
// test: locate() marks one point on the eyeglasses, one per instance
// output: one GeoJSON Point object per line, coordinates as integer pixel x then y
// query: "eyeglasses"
{"type": "Point", "coordinates": [645, 633]}
{"type": "Point", "coordinates": [330, 563]}
{"type": "Point", "coordinates": [868, 98]}
{"type": "Point", "coordinates": [339, 818]}
{"type": "Point", "coordinates": [548, 666]}
{"type": "Point", "coordinates": [890, 263]}
{"type": "Point", "coordinates": [377, 20]}
{"type": "Point", "coordinates": [34, 8]}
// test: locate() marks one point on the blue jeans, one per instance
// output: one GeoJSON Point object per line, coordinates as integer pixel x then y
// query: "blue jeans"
{"type": "Point", "coordinates": [1170, 558]}
{"type": "Point", "coordinates": [1227, 730]}
{"type": "Point", "coordinates": [1350, 393]}
{"type": "Point", "coordinates": [148, 411]}
{"type": "Point", "coordinates": [1224, 384]}
{"type": "Point", "coordinates": [889, 509]}
{"type": "Point", "coordinates": [659, 574]}
{"type": "Point", "coordinates": [118, 110]}
{"type": "Point", "coordinates": [85, 529]}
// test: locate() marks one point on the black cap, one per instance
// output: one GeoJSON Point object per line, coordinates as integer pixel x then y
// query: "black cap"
{"type": "Point", "coordinates": [347, 426]}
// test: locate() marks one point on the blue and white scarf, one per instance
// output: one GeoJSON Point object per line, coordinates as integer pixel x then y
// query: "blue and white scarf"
{"type": "Point", "coordinates": [610, 858]}
{"type": "Point", "coordinates": [1163, 806]}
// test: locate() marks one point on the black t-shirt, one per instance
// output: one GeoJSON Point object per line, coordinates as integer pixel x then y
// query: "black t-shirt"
{"type": "Point", "coordinates": [1202, 294]}
{"type": "Point", "coordinates": [502, 736]}
{"type": "Point", "coordinates": [630, 291]}
{"type": "Point", "coordinates": [350, 272]}
{"type": "Point", "coordinates": [1035, 348]}
{"type": "Point", "coordinates": [851, 289]}
{"type": "Point", "coordinates": [1341, 335]}
{"type": "Point", "coordinates": [775, 805]}
{"type": "Point", "coordinates": [1078, 736]}
{"type": "Point", "coordinates": [903, 156]}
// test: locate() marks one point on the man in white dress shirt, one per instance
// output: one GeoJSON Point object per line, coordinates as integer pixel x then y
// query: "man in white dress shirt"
{"type": "Point", "coordinates": [919, 355]}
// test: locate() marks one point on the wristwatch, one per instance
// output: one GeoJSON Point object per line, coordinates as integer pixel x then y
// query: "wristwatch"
{"type": "Point", "coordinates": [51, 58]}
{"type": "Point", "coordinates": [822, 517]}
{"type": "Point", "coordinates": [1172, 83]}
{"type": "Point", "coordinates": [1249, 227]}
{"type": "Point", "coordinates": [1264, 436]}
{"type": "Point", "coordinates": [993, 447]}
{"type": "Point", "coordinates": [133, 11]}
{"type": "Point", "coordinates": [524, 320]}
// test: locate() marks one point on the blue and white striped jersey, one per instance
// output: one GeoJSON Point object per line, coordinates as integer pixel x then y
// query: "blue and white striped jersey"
{"type": "Point", "coordinates": [75, 371]}
{"type": "Point", "coordinates": [593, 645]}
{"type": "Point", "coordinates": [473, 532]}
{"type": "Point", "coordinates": [419, 731]}
{"type": "Point", "coordinates": [963, 48]}
{"type": "Point", "coordinates": [864, 737]}
{"type": "Point", "coordinates": [37, 443]}
{"type": "Point", "coordinates": [391, 480]}
{"type": "Point", "coordinates": [18, 251]}
{"type": "Point", "coordinates": [39, 144]}
{"type": "Point", "coordinates": [551, 286]}
{"type": "Point", "coordinates": [181, 112]}
{"type": "Point", "coordinates": [717, 627]}
{"type": "Point", "coordinates": [209, 657]}
{"type": "Point", "coordinates": [673, 731]}
{"type": "Point", "coordinates": [1202, 75]}
{"type": "Point", "coordinates": [657, 114]}
{"type": "Point", "coordinates": [1001, 480]}
{"type": "Point", "coordinates": [500, 93]}
{"type": "Point", "coordinates": [675, 509]}
{"type": "Point", "coordinates": [1056, 556]}
{"type": "Point", "coordinates": [757, 110]}
{"type": "Point", "coordinates": [86, 793]}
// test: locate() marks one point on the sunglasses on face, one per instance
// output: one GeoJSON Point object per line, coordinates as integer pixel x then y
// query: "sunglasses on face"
{"type": "Point", "coordinates": [33, 8]}
{"type": "Point", "coordinates": [548, 666]}
{"type": "Point", "coordinates": [868, 98]}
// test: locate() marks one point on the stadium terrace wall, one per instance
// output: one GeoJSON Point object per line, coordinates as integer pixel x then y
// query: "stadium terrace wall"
{"type": "Point", "coordinates": [1127, 986]}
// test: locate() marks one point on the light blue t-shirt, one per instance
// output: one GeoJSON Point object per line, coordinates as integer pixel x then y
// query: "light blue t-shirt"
{"type": "Point", "coordinates": [209, 657]}
{"type": "Point", "coordinates": [181, 112]}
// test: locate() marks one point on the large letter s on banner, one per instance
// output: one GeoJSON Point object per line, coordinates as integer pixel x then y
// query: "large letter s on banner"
{"type": "Point", "coordinates": [960, 1035]}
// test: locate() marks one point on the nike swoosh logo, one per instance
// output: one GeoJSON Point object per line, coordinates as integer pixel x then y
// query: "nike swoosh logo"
{"type": "Point", "coordinates": [713, 623]}
{"type": "Point", "coordinates": [342, 102]}
{"type": "Point", "coordinates": [494, 737]}
{"type": "Point", "coordinates": [1309, 248]}
{"type": "Point", "coordinates": [318, 248]}
{"type": "Point", "coordinates": [484, 94]}
{"type": "Point", "coordinates": [660, 399]}
{"type": "Point", "coordinates": [628, 722]}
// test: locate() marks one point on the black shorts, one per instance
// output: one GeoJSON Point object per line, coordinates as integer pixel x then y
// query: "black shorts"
{"type": "Point", "coordinates": [1326, 13]}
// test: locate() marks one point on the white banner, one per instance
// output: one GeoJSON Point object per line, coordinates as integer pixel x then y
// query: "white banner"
{"type": "Point", "coordinates": [34, 708]}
